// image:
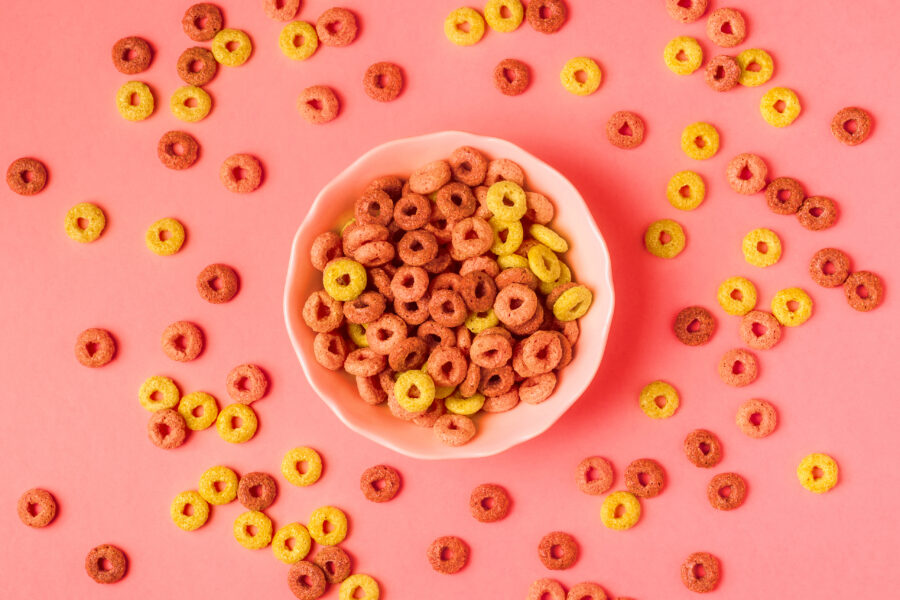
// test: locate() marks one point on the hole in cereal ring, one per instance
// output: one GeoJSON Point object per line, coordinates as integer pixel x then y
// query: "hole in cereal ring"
{"type": "Point", "coordinates": [156, 396]}
{"type": "Point", "coordinates": [314, 103]}
{"type": "Point", "coordinates": [643, 479]}
{"type": "Point", "coordinates": [343, 280]}
{"type": "Point", "coordinates": [164, 235]}
{"type": "Point", "coordinates": [816, 211]}
{"type": "Point", "coordinates": [378, 484]}
{"type": "Point", "coordinates": [33, 509]}
{"type": "Point", "coordinates": [91, 348]}
{"type": "Point", "coordinates": [179, 343]}
{"type": "Point", "coordinates": [851, 126]}
{"type": "Point", "coordinates": [302, 466]}
{"type": "Point", "coordinates": [250, 530]}
{"type": "Point", "coordinates": [200, 22]}
{"type": "Point", "coordinates": [829, 268]}
{"type": "Point", "coordinates": [504, 12]}
{"type": "Point", "coordinates": [660, 401]}
{"type": "Point", "coordinates": [134, 100]}
{"type": "Point", "coordinates": [27, 176]}
{"type": "Point", "coordinates": [756, 419]}
{"type": "Point", "coordinates": [720, 73]}
{"type": "Point", "coordinates": [544, 12]}
{"type": "Point", "coordinates": [333, 27]}
{"type": "Point", "coordinates": [446, 554]}
{"type": "Point", "coordinates": [779, 106]}
{"type": "Point", "coordinates": [746, 174]}
{"type": "Point", "coordinates": [681, 56]}
{"type": "Point", "coordinates": [580, 76]}
{"type": "Point", "coordinates": [242, 384]}
{"type": "Point", "coordinates": [487, 503]}
{"type": "Point", "coordinates": [862, 291]}
{"type": "Point", "coordinates": [290, 543]}
{"type": "Point", "coordinates": [104, 564]}
{"type": "Point", "coordinates": [759, 329]}
{"type": "Point", "coordinates": [817, 473]}
{"type": "Point", "coordinates": [381, 81]}
{"type": "Point", "coordinates": [726, 28]}
{"type": "Point", "coordinates": [256, 491]}
{"type": "Point", "coordinates": [232, 45]}
{"type": "Point", "coordinates": [625, 129]}
{"type": "Point", "coordinates": [327, 526]}
{"type": "Point", "coordinates": [619, 512]}
{"type": "Point", "coordinates": [754, 66]}
{"type": "Point", "coordinates": [237, 422]}
{"type": "Point", "coordinates": [793, 305]}
{"type": "Point", "coordinates": [190, 102]}
{"type": "Point", "coordinates": [413, 391]}
{"type": "Point", "coordinates": [515, 303]}
{"type": "Point", "coordinates": [664, 237]}
{"type": "Point", "coordinates": [218, 486]}
{"type": "Point", "coordinates": [215, 283]}
{"type": "Point", "coordinates": [510, 76]}
{"type": "Point", "coordinates": [684, 191]}
{"type": "Point", "coordinates": [693, 326]}
{"type": "Point", "coordinates": [592, 474]}
{"type": "Point", "coordinates": [737, 294]}
{"type": "Point", "coordinates": [762, 247]}
{"type": "Point", "coordinates": [725, 491]}
{"type": "Point", "coordinates": [198, 411]}
{"type": "Point", "coordinates": [737, 368]}
{"type": "Point", "coordinates": [698, 571]}
{"type": "Point", "coordinates": [239, 173]}
{"type": "Point", "coordinates": [465, 27]}
{"type": "Point", "coordinates": [705, 447]}
{"type": "Point", "coordinates": [188, 510]}
{"type": "Point", "coordinates": [83, 223]}
{"type": "Point", "coordinates": [196, 66]}
{"type": "Point", "coordinates": [699, 141]}
{"type": "Point", "coordinates": [556, 551]}
{"type": "Point", "coordinates": [163, 430]}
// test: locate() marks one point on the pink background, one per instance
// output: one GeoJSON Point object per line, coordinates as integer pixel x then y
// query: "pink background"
{"type": "Point", "coordinates": [81, 433]}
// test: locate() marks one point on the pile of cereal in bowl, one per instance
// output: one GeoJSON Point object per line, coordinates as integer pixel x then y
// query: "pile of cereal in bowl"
{"type": "Point", "coordinates": [447, 295]}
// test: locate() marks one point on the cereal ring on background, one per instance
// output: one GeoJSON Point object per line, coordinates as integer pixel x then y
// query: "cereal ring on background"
{"type": "Point", "coordinates": [489, 502]}
{"type": "Point", "coordinates": [218, 485]}
{"type": "Point", "coordinates": [412, 211]}
{"type": "Point", "coordinates": [182, 341]}
{"type": "Point", "coordinates": [587, 590]}
{"type": "Point", "coordinates": [94, 347]}
{"type": "Point", "coordinates": [478, 291]}
{"type": "Point", "coordinates": [447, 308]}
{"type": "Point", "coordinates": [247, 495]}
{"type": "Point", "coordinates": [257, 520]}
{"type": "Point", "coordinates": [229, 430]}
{"type": "Point", "coordinates": [166, 429]}
{"type": "Point", "coordinates": [306, 580]}
{"type": "Point", "coordinates": [540, 208]}
{"type": "Point", "coordinates": [420, 247]}
{"type": "Point", "coordinates": [726, 27]}
{"type": "Point", "coordinates": [281, 10]}
{"type": "Point", "coordinates": [197, 66]}
{"type": "Point", "coordinates": [336, 27]}
{"type": "Point", "coordinates": [785, 195]}
{"type": "Point", "coordinates": [501, 403]}
{"type": "Point", "coordinates": [650, 469]}
{"type": "Point", "coordinates": [246, 383]}
{"type": "Point", "coordinates": [318, 104]}
{"type": "Point", "coordinates": [829, 267]}
{"type": "Point", "coordinates": [863, 290]}
{"type": "Point", "coordinates": [818, 473]}
{"type": "Point", "coordinates": [26, 176]}
{"type": "Point", "coordinates": [359, 581]}
{"type": "Point", "coordinates": [546, 589]}
{"type": "Point", "coordinates": [686, 190]}
{"type": "Point", "coordinates": [762, 59]}
{"type": "Point", "coordinates": [177, 150]}
{"type": "Point", "coordinates": [817, 213]}
{"type": "Point", "coordinates": [293, 470]}
{"type": "Point", "coordinates": [165, 237]}
{"type": "Point", "coordinates": [573, 303]}
{"type": "Point", "coordinates": [756, 418]}
{"type": "Point", "coordinates": [653, 238]}
{"type": "Point", "coordinates": [761, 247]}
{"type": "Point", "coordinates": [703, 448]}
{"type": "Point", "coordinates": [760, 330]}
{"type": "Point", "coordinates": [454, 430]}
{"type": "Point", "coordinates": [383, 81]}
{"type": "Point", "coordinates": [650, 404]}
{"type": "Point", "coordinates": [36, 508]}
{"type": "Point", "coordinates": [201, 22]}
{"type": "Point", "coordinates": [334, 562]}
{"type": "Point", "coordinates": [188, 406]}
{"type": "Point", "coordinates": [493, 14]}
{"type": "Point", "coordinates": [217, 283]}
{"type": "Point", "coordinates": [684, 326]}
{"type": "Point", "coordinates": [625, 130]}
{"type": "Point", "coordinates": [379, 483]}
{"type": "Point", "coordinates": [700, 141]}
{"type": "Point", "coordinates": [344, 279]}
{"type": "Point", "coordinates": [162, 387]}
{"type": "Point", "coordinates": [780, 97]}
{"type": "Point", "coordinates": [558, 550]}
{"type": "Point", "coordinates": [190, 103]}
{"type": "Point", "coordinates": [591, 73]}
{"type": "Point", "coordinates": [336, 518]}
{"type": "Point", "coordinates": [464, 16]}
{"type": "Point", "coordinates": [472, 237]}
{"type": "Point", "coordinates": [851, 126]}
{"type": "Point", "coordinates": [733, 498]}
{"type": "Point", "coordinates": [683, 46]}
{"type": "Point", "coordinates": [722, 73]}
{"type": "Point", "coordinates": [241, 173]}
{"type": "Point", "coordinates": [738, 367]}
{"type": "Point", "coordinates": [298, 40]}
{"type": "Point", "coordinates": [686, 14]}
{"type": "Point", "coordinates": [546, 16]}
{"type": "Point", "coordinates": [700, 572]}
{"type": "Point", "coordinates": [756, 171]}
{"type": "Point", "coordinates": [102, 555]}
{"type": "Point", "coordinates": [194, 502]}
{"type": "Point", "coordinates": [231, 57]}
{"type": "Point", "coordinates": [630, 516]}
{"type": "Point", "coordinates": [737, 296]}
{"type": "Point", "coordinates": [448, 554]}
{"type": "Point", "coordinates": [131, 55]}
{"type": "Point", "coordinates": [135, 90]}
{"type": "Point", "coordinates": [788, 315]}
{"type": "Point", "coordinates": [446, 366]}
{"type": "Point", "coordinates": [594, 475]}
{"type": "Point", "coordinates": [290, 554]}
{"type": "Point", "coordinates": [511, 77]}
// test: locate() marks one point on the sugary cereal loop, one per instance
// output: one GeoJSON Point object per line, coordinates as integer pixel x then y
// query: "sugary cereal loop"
{"type": "Point", "coordinates": [573, 304]}
{"type": "Point", "coordinates": [190, 103]}
{"type": "Point", "coordinates": [191, 518]}
{"type": "Point", "coordinates": [293, 470]}
{"type": "Point", "coordinates": [260, 522]}
{"type": "Point", "coordinates": [737, 296]}
{"type": "Point", "coordinates": [507, 201]}
{"type": "Point", "coordinates": [464, 406]}
{"type": "Point", "coordinates": [468, 17]}
{"type": "Point", "coordinates": [664, 238]}
{"type": "Point", "coordinates": [780, 106]}
{"type": "Point", "coordinates": [659, 400]}
{"type": "Point", "coordinates": [228, 427]}
{"type": "Point", "coordinates": [414, 391]}
{"type": "Point", "coordinates": [590, 72]}
{"type": "Point", "coordinates": [85, 222]}
{"type": "Point", "coordinates": [760, 58]}
{"type": "Point", "coordinates": [135, 101]}
{"type": "Point", "coordinates": [792, 307]}
{"type": "Point", "coordinates": [628, 519]}
{"type": "Point", "coordinates": [359, 581]}
{"type": "Point", "coordinates": [298, 40]}
{"type": "Point", "coordinates": [493, 14]}
{"type": "Point", "coordinates": [195, 419]}
{"type": "Point", "coordinates": [818, 473]}
{"type": "Point", "coordinates": [513, 232]}
{"type": "Point", "coordinates": [686, 190]}
{"type": "Point", "coordinates": [205, 14]}
{"type": "Point", "coordinates": [232, 47]}
{"type": "Point", "coordinates": [686, 47]}
{"type": "Point", "coordinates": [165, 237]}
{"type": "Point", "coordinates": [302, 543]}
{"type": "Point", "coordinates": [543, 263]}
{"type": "Point", "coordinates": [478, 322]}
{"type": "Point", "coordinates": [700, 141]}
{"type": "Point", "coordinates": [344, 279]}
{"type": "Point", "coordinates": [226, 478]}
{"type": "Point", "coordinates": [549, 238]}
{"type": "Point", "coordinates": [761, 247]}
{"type": "Point", "coordinates": [512, 261]}
{"type": "Point", "coordinates": [158, 393]}
{"type": "Point", "coordinates": [565, 276]}
{"type": "Point", "coordinates": [357, 334]}
{"type": "Point", "coordinates": [336, 518]}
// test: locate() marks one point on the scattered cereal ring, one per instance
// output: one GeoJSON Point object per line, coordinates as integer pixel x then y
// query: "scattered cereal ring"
{"type": "Point", "coordinates": [454, 430]}
{"type": "Point", "coordinates": [700, 572]}
{"type": "Point", "coordinates": [182, 341]}
{"type": "Point", "coordinates": [357, 335]}
{"type": "Point", "coordinates": [780, 106]}
{"type": "Point", "coordinates": [336, 518]}
{"type": "Point", "coordinates": [197, 66]}
{"type": "Point", "coordinates": [761, 247]}
{"type": "Point", "coordinates": [202, 22]}
{"type": "Point", "coordinates": [281, 10]}
{"type": "Point", "coordinates": [359, 581]}
{"type": "Point", "coordinates": [756, 418]}
{"type": "Point", "coordinates": [217, 283]}
{"type": "Point", "coordinates": [418, 382]}
{"type": "Point", "coordinates": [165, 237]}
{"type": "Point", "coordinates": [726, 491]}
{"type": "Point", "coordinates": [726, 27]}
{"type": "Point", "coordinates": [135, 101]}
{"type": "Point", "coordinates": [546, 589]}
{"type": "Point", "coordinates": [493, 14]}
{"type": "Point", "coordinates": [737, 296]}
{"type": "Point", "coordinates": [818, 473]}
{"type": "Point", "coordinates": [344, 279]}
{"type": "Point", "coordinates": [383, 81]}
{"type": "Point", "coordinates": [573, 303]}
{"type": "Point", "coordinates": [738, 367]}
{"type": "Point", "coordinates": [257, 491]}
{"type": "Point", "coordinates": [241, 173]}
{"type": "Point", "coordinates": [301, 543]}
{"type": "Point", "coordinates": [36, 508]}
{"type": "Point", "coordinates": [228, 56]}
{"type": "Point", "coordinates": [851, 126]}
{"type": "Point", "coordinates": [688, 48]}
{"type": "Point", "coordinates": [318, 104]}
{"type": "Point", "coordinates": [686, 190]}
{"type": "Point", "coordinates": [762, 59]}
{"type": "Point", "coordinates": [558, 550]}
{"type": "Point", "coordinates": [722, 73]}
{"type": "Point", "coordinates": [293, 469]}
{"type": "Point", "coordinates": [625, 130]}
{"type": "Point", "coordinates": [785, 196]}
{"type": "Point", "coordinates": [817, 213]}
{"type": "Point", "coordinates": [649, 469]}
{"type": "Point", "coordinates": [26, 176]}
{"type": "Point", "coordinates": [166, 429]}
{"type": "Point", "coordinates": [298, 40]}
{"type": "Point", "coordinates": [760, 330]}
{"type": "Point", "coordinates": [95, 347]}
{"type": "Point", "coordinates": [334, 562]}
{"type": "Point", "coordinates": [131, 55]}
{"type": "Point", "coordinates": [651, 404]}
{"type": "Point", "coordinates": [700, 141]}
{"type": "Point", "coordinates": [336, 27]}
{"type": "Point", "coordinates": [218, 485]}
{"type": "Point", "coordinates": [594, 475]}
{"type": "Point", "coordinates": [863, 290]}
{"type": "Point", "coordinates": [380, 483]}
{"type": "Point", "coordinates": [177, 150]}
{"type": "Point", "coordinates": [190, 103]}
{"type": "Point", "coordinates": [306, 580]}
{"type": "Point", "coordinates": [209, 410]}
{"type": "Point", "coordinates": [688, 13]}
{"type": "Point", "coordinates": [448, 554]}
{"type": "Point", "coordinates": [630, 516]}
{"type": "Point", "coordinates": [784, 309]}
{"type": "Point", "coordinates": [703, 448]}
{"type": "Point", "coordinates": [464, 16]}
{"type": "Point", "coordinates": [546, 16]}
{"type": "Point", "coordinates": [591, 72]}
{"type": "Point", "coordinates": [161, 387]}
{"type": "Point", "coordinates": [242, 532]}
{"type": "Point", "coordinates": [690, 334]}
{"type": "Point", "coordinates": [488, 503]}
{"type": "Point", "coordinates": [747, 173]}
{"type": "Point", "coordinates": [829, 267]}
{"type": "Point", "coordinates": [106, 564]}
{"type": "Point", "coordinates": [246, 383]}
{"type": "Point", "coordinates": [228, 428]}
{"type": "Point", "coordinates": [189, 510]}
{"type": "Point", "coordinates": [664, 238]}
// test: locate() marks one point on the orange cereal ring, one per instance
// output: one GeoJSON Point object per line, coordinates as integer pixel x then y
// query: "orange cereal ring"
{"type": "Point", "coordinates": [471, 237]}
{"type": "Point", "coordinates": [447, 308]}
{"type": "Point", "coordinates": [439, 263]}
{"type": "Point", "coordinates": [414, 312]}
{"type": "Point", "coordinates": [726, 27]}
{"type": "Point", "coordinates": [542, 351]}
{"type": "Point", "coordinates": [217, 283]}
{"type": "Point", "coordinates": [359, 235]}
{"type": "Point", "coordinates": [409, 283]}
{"type": "Point", "coordinates": [851, 126]}
{"type": "Point", "coordinates": [447, 366]}
{"type": "Point", "coordinates": [703, 448]}
{"type": "Point", "coordinates": [738, 368]}
{"type": "Point", "coordinates": [417, 248]}
{"type": "Point", "coordinates": [246, 383]}
{"type": "Point", "coordinates": [686, 12]}
{"type": "Point", "coordinates": [36, 508]}
{"type": "Point", "coordinates": [379, 483]}
{"type": "Point", "coordinates": [370, 390]}
{"type": "Point", "coordinates": [558, 550]}
{"type": "Point", "coordinates": [428, 418]}
{"type": "Point", "coordinates": [746, 173]}
{"type": "Point", "coordinates": [520, 275]}
{"type": "Point", "coordinates": [503, 169]}
{"type": "Point", "coordinates": [480, 263]}
{"type": "Point", "coordinates": [326, 247]}
{"type": "Point", "coordinates": [501, 403]}
{"type": "Point", "coordinates": [567, 352]}
{"type": "Point", "coordinates": [469, 386]}
{"type": "Point", "coordinates": [365, 308]}
{"type": "Point", "coordinates": [334, 562]}
{"type": "Point", "coordinates": [863, 290]}
{"type": "Point", "coordinates": [201, 22]}
{"type": "Point", "coordinates": [435, 335]}
{"type": "Point", "coordinates": [381, 281]}
{"type": "Point", "coordinates": [306, 580]}
{"type": "Point", "coordinates": [700, 572]}
{"type": "Point", "coordinates": [197, 66]}
{"type": "Point", "coordinates": [429, 178]}
{"type": "Point", "coordinates": [177, 150]}
{"type": "Point", "coordinates": [441, 227]}
{"type": "Point", "coordinates": [726, 491]}
{"type": "Point", "coordinates": [511, 77]}
{"type": "Point", "coordinates": [446, 281]}
{"type": "Point", "coordinates": [383, 81]}
{"type": "Point", "coordinates": [364, 362]}
{"type": "Point", "coordinates": [322, 313]}
{"type": "Point", "coordinates": [131, 55]}
{"type": "Point", "coordinates": [241, 173]}
{"type": "Point", "coordinates": [408, 354]}
{"type": "Point", "coordinates": [829, 267]}
{"type": "Point", "coordinates": [26, 176]}
{"type": "Point", "coordinates": [393, 185]}
{"type": "Point", "coordinates": [546, 16]}
{"type": "Point", "coordinates": [644, 478]}
{"type": "Point", "coordinates": [490, 350]}
{"type": "Point", "coordinates": [537, 388]}
{"type": "Point", "coordinates": [167, 429]}
{"type": "Point", "coordinates": [760, 330]}
{"type": "Point", "coordinates": [489, 502]}
{"type": "Point", "coordinates": [625, 130]}
{"type": "Point", "coordinates": [463, 339]}
{"type": "Point", "coordinates": [94, 347]}
{"type": "Point", "coordinates": [515, 304]}
{"type": "Point", "coordinates": [330, 350]}
{"type": "Point", "coordinates": [385, 333]}
{"type": "Point", "coordinates": [594, 475]}
{"type": "Point", "coordinates": [375, 254]}
{"type": "Point", "coordinates": [281, 10]}
{"type": "Point", "coordinates": [106, 564]}
{"type": "Point", "coordinates": [546, 589]}
{"type": "Point", "coordinates": [817, 213]}
{"type": "Point", "coordinates": [375, 206]}
{"type": "Point", "coordinates": [318, 104]}
{"type": "Point", "coordinates": [694, 326]}
{"type": "Point", "coordinates": [455, 200]}
{"type": "Point", "coordinates": [496, 381]}
{"type": "Point", "coordinates": [785, 195]}
{"type": "Point", "coordinates": [453, 430]}
{"type": "Point", "coordinates": [468, 166]}
{"type": "Point", "coordinates": [336, 27]}
{"type": "Point", "coordinates": [448, 554]}
{"type": "Point", "coordinates": [412, 211]}
{"type": "Point", "coordinates": [756, 418]}
{"type": "Point", "coordinates": [257, 491]}
{"type": "Point", "coordinates": [478, 291]}
{"type": "Point", "coordinates": [182, 341]}
{"type": "Point", "coordinates": [722, 73]}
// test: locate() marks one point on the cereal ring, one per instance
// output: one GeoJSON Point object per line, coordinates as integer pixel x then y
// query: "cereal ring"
{"type": "Point", "coordinates": [295, 552]}
{"type": "Point", "coordinates": [455, 201]}
{"type": "Point", "coordinates": [246, 536]}
{"type": "Point", "coordinates": [792, 307]}
{"type": "Point", "coordinates": [577, 68]}
{"type": "Point", "coordinates": [236, 423]}
{"type": "Point", "coordinates": [548, 238]}
{"type": "Point", "coordinates": [644, 468]}
{"type": "Point", "coordinates": [334, 562]}
{"type": "Point", "coordinates": [322, 313]}
{"type": "Point", "coordinates": [197, 66]}
{"type": "Point", "coordinates": [106, 564]}
{"type": "Point", "coordinates": [722, 73]}
{"type": "Point", "coordinates": [189, 510]}
{"type": "Point", "coordinates": [543, 263]}
{"type": "Point", "coordinates": [370, 390]}
{"type": "Point", "coordinates": [478, 322]}
{"type": "Point", "coordinates": [726, 27]}
{"type": "Point", "coordinates": [756, 418]}
{"type": "Point", "coordinates": [367, 308]}
{"type": "Point", "coordinates": [630, 515]}
{"type": "Point", "coordinates": [448, 554]}
{"type": "Point", "coordinates": [459, 405]}
{"type": "Point", "coordinates": [537, 388]}
{"type": "Point", "coordinates": [415, 312]}
{"type": "Point", "coordinates": [506, 200]}
{"type": "Point", "coordinates": [513, 233]}
{"type": "Point", "coordinates": [818, 473]}
{"type": "Point", "coordinates": [863, 290]}
{"type": "Point", "coordinates": [546, 589]}
{"type": "Point", "coordinates": [447, 308]}
{"type": "Point", "coordinates": [817, 213]}
{"type": "Point", "coordinates": [454, 430]}
{"type": "Point", "coordinates": [182, 341]}
{"type": "Point", "coordinates": [358, 581]}
{"type": "Point", "coordinates": [700, 141]}
{"type": "Point", "coordinates": [385, 333]}
{"type": "Point", "coordinates": [558, 550]}
{"type": "Point", "coordinates": [700, 572]}
{"type": "Point", "coordinates": [780, 106]}
{"type": "Point", "coordinates": [515, 304]}
{"type": "Point", "coordinates": [412, 211]}
{"type": "Point", "coordinates": [131, 55]}
{"type": "Point", "coordinates": [241, 173]}
{"type": "Point", "coordinates": [469, 17]}
{"type": "Point", "coordinates": [414, 391]}
{"type": "Point", "coordinates": [246, 383]}
{"type": "Point", "coordinates": [232, 47]}
{"type": "Point", "coordinates": [390, 184]}
{"type": "Point", "coordinates": [512, 261]}
{"type": "Point", "coordinates": [417, 248]}
{"type": "Point", "coordinates": [166, 429]}
{"type": "Point", "coordinates": [135, 101]}
{"type": "Point", "coordinates": [364, 362]}
{"type": "Point", "coordinates": [302, 466]}
{"type": "Point", "coordinates": [306, 580]}
{"type": "Point", "coordinates": [703, 448]}
{"type": "Point", "coordinates": [851, 126]}
{"type": "Point", "coordinates": [683, 46]}
{"type": "Point", "coordinates": [379, 483]}
{"type": "Point", "coordinates": [202, 22]}
{"type": "Point", "coordinates": [165, 237]}
{"type": "Point", "coordinates": [472, 237]}
{"type": "Point", "coordinates": [177, 150]}
{"type": "Point", "coordinates": [726, 491]}
{"type": "Point", "coordinates": [208, 410]}
{"type": "Point", "coordinates": [690, 334]}
{"type": "Point", "coordinates": [446, 366]}
{"type": "Point", "coordinates": [217, 283]}
{"type": "Point", "coordinates": [737, 296]}
{"type": "Point", "coordinates": [344, 279]}
{"type": "Point", "coordinates": [36, 508]}
{"type": "Point", "coordinates": [587, 590]}
{"type": "Point", "coordinates": [738, 368]}
{"type": "Point", "coordinates": [546, 16]}
{"type": "Point", "coordinates": [336, 27]}
{"type": "Point", "coordinates": [625, 130]}
{"type": "Point", "coordinates": [511, 76]}
{"type": "Point", "coordinates": [760, 58]}
{"type": "Point", "coordinates": [689, 13]}
{"type": "Point", "coordinates": [523, 276]}
{"type": "Point", "coordinates": [503, 169]}
{"type": "Point", "coordinates": [26, 176]}
{"type": "Point", "coordinates": [594, 475]}
{"type": "Point", "coordinates": [761, 247]}
{"type": "Point", "coordinates": [281, 10]}
{"type": "Point", "coordinates": [489, 502]}
{"type": "Point", "coordinates": [501, 403]}
{"type": "Point", "coordinates": [829, 267]}
{"type": "Point", "coordinates": [659, 400]}
{"type": "Point", "coordinates": [494, 15]}
{"type": "Point", "coordinates": [218, 485]}
{"type": "Point", "coordinates": [158, 387]}
{"type": "Point", "coordinates": [336, 518]}
{"type": "Point", "coordinates": [785, 195]}
{"type": "Point", "coordinates": [190, 103]}
{"type": "Point", "coordinates": [318, 104]}
{"type": "Point", "coordinates": [298, 40]}
{"type": "Point", "coordinates": [94, 347]}
{"type": "Point", "coordinates": [434, 335]}
{"type": "Point", "coordinates": [746, 174]}
{"type": "Point", "coordinates": [257, 491]}
{"type": "Point", "coordinates": [468, 166]}
{"type": "Point", "coordinates": [760, 330]}
{"type": "Point", "coordinates": [686, 190]}
{"type": "Point", "coordinates": [664, 238]}
{"type": "Point", "coordinates": [496, 381]}
{"type": "Point", "coordinates": [383, 81]}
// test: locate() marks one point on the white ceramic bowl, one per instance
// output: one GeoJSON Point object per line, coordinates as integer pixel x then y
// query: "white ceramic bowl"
{"type": "Point", "coordinates": [588, 258]}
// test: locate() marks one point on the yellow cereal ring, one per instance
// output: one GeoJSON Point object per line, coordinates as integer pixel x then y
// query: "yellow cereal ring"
{"type": "Point", "coordinates": [160, 386]}
{"type": "Point", "coordinates": [549, 238]}
{"type": "Point", "coordinates": [761, 247]}
{"type": "Point", "coordinates": [221, 475]}
{"type": "Point", "coordinates": [237, 56]}
{"type": "Point", "coordinates": [629, 518]}
{"type": "Point", "coordinates": [457, 18]}
{"type": "Point", "coordinates": [199, 510]}
{"type": "Point", "coordinates": [302, 543]}
{"type": "Point", "coordinates": [464, 406]}
{"type": "Point", "coordinates": [478, 322]}
{"type": "Point", "coordinates": [359, 581]}
{"type": "Point", "coordinates": [292, 463]}
{"type": "Point", "coordinates": [506, 201]}
{"type": "Point", "coordinates": [737, 296]}
{"type": "Point", "coordinates": [828, 473]}
{"type": "Point", "coordinates": [686, 190]}
{"type": "Point", "coordinates": [172, 243]}
{"type": "Point", "coordinates": [344, 279]}
{"type": "Point", "coordinates": [357, 334]}
{"type": "Point", "coordinates": [94, 219]}
{"type": "Point", "coordinates": [592, 76]}
{"type": "Point", "coordinates": [543, 263]}
{"type": "Point", "coordinates": [651, 407]}
{"type": "Point", "coordinates": [190, 94]}
{"type": "Point", "coordinates": [493, 14]}
{"type": "Point", "coordinates": [423, 385]}
{"type": "Point", "coordinates": [261, 522]}
{"type": "Point", "coordinates": [782, 303]}
{"type": "Point", "coordinates": [700, 140]}
{"type": "Point", "coordinates": [512, 261]}
{"type": "Point", "coordinates": [653, 239]}
{"type": "Point", "coordinates": [573, 303]}
{"type": "Point", "coordinates": [769, 103]}
{"type": "Point", "coordinates": [208, 413]}
{"type": "Point", "coordinates": [298, 31]}
{"type": "Point", "coordinates": [760, 58]}
{"type": "Point", "coordinates": [693, 55]}
{"type": "Point", "coordinates": [140, 92]}
{"type": "Point", "coordinates": [442, 392]}
{"type": "Point", "coordinates": [565, 276]}
{"type": "Point", "coordinates": [514, 236]}
{"type": "Point", "coordinates": [338, 522]}
{"type": "Point", "coordinates": [226, 427]}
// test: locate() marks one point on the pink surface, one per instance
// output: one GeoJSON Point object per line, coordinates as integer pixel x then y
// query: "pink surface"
{"type": "Point", "coordinates": [81, 434]}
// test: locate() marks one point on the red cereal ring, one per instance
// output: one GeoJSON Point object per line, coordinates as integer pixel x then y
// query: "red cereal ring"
{"type": "Point", "coordinates": [131, 55]}
{"type": "Point", "coordinates": [414, 312]}
{"type": "Point", "coordinates": [546, 16]}
{"type": "Point", "coordinates": [756, 418]}
{"type": "Point", "coordinates": [448, 554]}
{"type": "Point", "coordinates": [594, 475]}
{"type": "Point", "coordinates": [689, 13]}
{"type": "Point", "coordinates": [587, 590]}
{"type": "Point", "coordinates": [567, 352]}
{"type": "Point", "coordinates": [722, 73]}
{"type": "Point", "coordinates": [306, 580]}
{"type": "Point", "coordinates": [644, 469]}
{"type": "Point", "coordinates": [364, 362]}
{"type": "Point", "coordinates": [829, 267]}
{"type": "Point", "coordinates": [446, 281]}
{"type": "Point", "coordinates": [501, 403]}
{"type": "Point", "coordinates": [738, 368]}
{"type": "Point", "coordinates": [381, 282]}
{"type": "Point", "coordinates": [430, 178]}
{"type": "Point", "coordinates": [359, 235]}
{"type": "Point", "coordinates": [490, 350]}
{"type": "Point", "coordinates": [439, 263]}
{"type": "Point", "coordinates": [197, 66]}
{"type": "Point", "coordinates": [246, 383]}
{"type": "Point", "coordinates": [478, 291]}
{"type": "Point", "coordinates": [518, 364]}
{"type": "Point", "coordinates": [542, 351]}
{"type": "Point", "coordinates": [182, 341]}
{"type": "Point", "coordinates": [863, 290]}
{"type": "Point", "coordinates": [318, 104]}
{"type": "Point", "coordinates": [325, 248]}
{"type": "Point", "coordinates": [503, 169]}
{"type": "Point", "coordinates": [409, 283]}
{"type": "Point", "coordinates": [469, 385]}
{"type": "Point", "coordinates": [106, 564]}
{"type": "Point", "coordinates": [375, 206]}
{"type": "Point", "coordinates": [726, 27]}
{"type": "Point", "coordinates": [468, 166]}
{"type": "Point", "coordinates": [241, 173]}
{"type": "Point", "coordinates": [625, 130]}
{"type": "Point", "coordinates": [435, 335]}
{"type": "Point", "coordinates": [519, 275]}
{"type": "Point", "coordinates": [336, 27]}
{"type": "Point", "coordinates": [480, 263]}
{"type": "Point", "coordinates": [374, 254]}
{"type": "Point", "coordinates": [322, 313]}
{"type": "Point", "coordinates": [440, 226]}
{"type": "Point", "coordinates": [95, 347]}
{"type": "Point", "coordinates": [380, 483]}
{"type": "Point", "coordinates": [703, 448]}
{"type": "Point", "coordinates": [365, 308]}
{"type": "Point", "coordinates": [515, 304]}
{"type": "Point", "coordinates": [817, 213]}
{"type": "Point", "coordinates": [330, 350]}
{"type": "Point", "coordinates": [217, 283]}
{"type": "Point", "coordinates": [700, 572]}
{"type": "Point", "coordinates": [428, 418]}
{"type": "Point", "coordinates": [537, 388]}
{"type": "Point", "coordinates": [447, 308]}
{"type": "Point", "coordinates": [334, 562]}
{"type": "Point", "coordinates": [167, 429]}
{"type": "Point", "coordinates": [201, 22]}
{"type": "Point", "coordinates": [694, 326]}
{"type": "Point", "coordinates": [746, 173]}
{"type": "Point", "coordinates": [785, 195]}
{"type": "Point", "coordinates": [36, 508]}
{"type": "Point", "coordinates": [472, 237]}
{"type": "Point", "coordinates": [257, 491]}
{"type": "Point", "coordinates": [546, 589]}
{"type": "Point", "coordinates": [760, 330]}
{"type": "Point", "coordinates": [412, 211]}
{"type": "Point", "coordinates": [417, 248]}
{"type": "Point", "coordinates": [846, 133]}
{"type": "Point", "coordinates": [463, 339]}
{"type": "Point", "coordinates": [391, 184]}
{"type": "Point", "coordinates": [385, 333]}
{"type": "Point", "coordinates": [483, 211]}
{"type": "Point", "coordinates": [26, 176]}
{"type": "Point", "coordinates": [383, 81]}
{"type": "Point", "coordinates": [370, 390]}
{"type": "Point", "coordinates": [539, 208]}
{"type": "Point", "coordinates": [496, 381]}
{"type": "Point", "coordinates": [447, 366]}
{"type": "Point", "coordinates": [177, 150]}
{"type": "Point", "coordinates": [281, 10]}
{"type": "Point", "coordinates": [726, 491]}
{"type": "Point", "coordinates": [558, 550]}
{"type": "Point", "coordinates": [511, 77]}
{"type": "Point", "coordinates": [489, 502]}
